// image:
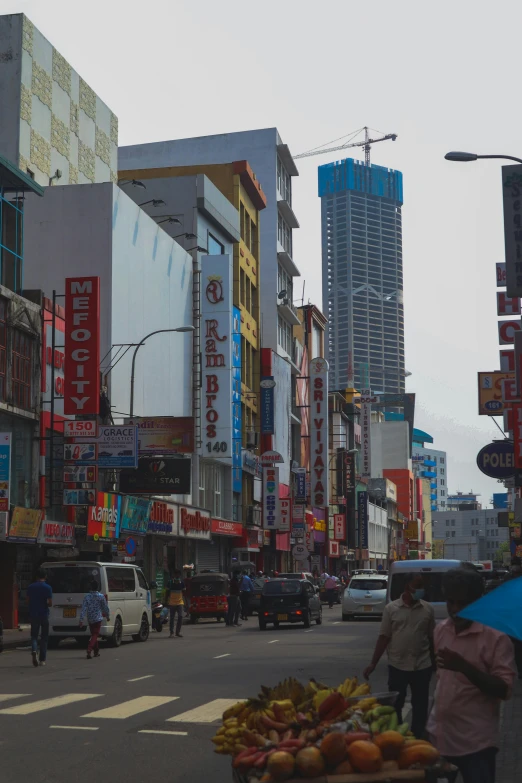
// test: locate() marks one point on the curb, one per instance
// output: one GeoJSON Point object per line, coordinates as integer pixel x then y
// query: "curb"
{"type": "Point", "coordinates": [12, 644]}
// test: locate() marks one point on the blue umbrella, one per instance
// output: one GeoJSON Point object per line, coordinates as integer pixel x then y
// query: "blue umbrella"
{"type": "Point", "coordinates": [501, 609]}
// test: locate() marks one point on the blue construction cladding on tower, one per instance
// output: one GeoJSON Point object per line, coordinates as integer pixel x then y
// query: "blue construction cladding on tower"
{"type": "Point", "coordinates": [353, 174]}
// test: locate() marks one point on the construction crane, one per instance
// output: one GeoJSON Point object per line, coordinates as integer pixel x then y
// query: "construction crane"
{"type": "Point", "coordinates": [366, 144]}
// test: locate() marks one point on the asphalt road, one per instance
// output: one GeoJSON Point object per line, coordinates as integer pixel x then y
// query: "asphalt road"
{"type": "Point", "coordinates": [112, 716]}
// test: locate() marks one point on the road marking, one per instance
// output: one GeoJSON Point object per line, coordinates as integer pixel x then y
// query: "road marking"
{"type": "Point", "coordinates": [273, 641]}
{"type": "Point", "coordinates": [129, 708]}
{"type": "Point", "coordinates": [77, 728]}
{"type": "Point", "coordinates": [310, 631]}
{"type": "Point", "coordinates": [207, 713]}
{"type": "Point", "coordinates": [225, 655]}
{"type": "Point", "coordinates": [7, 696]}
{"type": "Point", "coordinates": [337, 622]}
{"type": "Point", "coordinates": [137, 679]}
{"type": "Point", "coordinates": [157, 731]}
{"type": "Point", "coordinates": [47, 704]}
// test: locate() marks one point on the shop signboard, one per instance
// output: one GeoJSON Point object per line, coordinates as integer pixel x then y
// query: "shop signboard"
{"type": "Point", "coordinates": [5, 470]}
{"type": "Point", "coordinates": [56, 533]}
{"type": "Point", "coordinates": [76, 428]}
{"type": "Point", "coordinates": [194, 523]}
{"type": "Point", "coordinates": [222, 527]}
{"type": "Point", "coordinates": [517, 435]}
{"type": "Point", "coordinates": [362, 508]}
{"type": "Point", "coordinates": [490, 392]}
{"type": "Point", "coordinates": [319, 480]}
{"type": "Point", "coordinates": [80, 474]}
{"type": "Point", "coordinates": [168, 476]}
{"type": "Point", "coordinates": [511, 193]}
{"type": "Point", "coordinates": [237, 476]}
{"type": "Point", "coordinates": [217, 357]}
{"type": "Point", "coordinates": [164, 435]}
{"type": "Point", "coordinates": [82, 346]}
{"type": "Point", "coordinates": [411, 532]}
{"type": "Point", "coordinates": [309, 541]}
{"type": "Point", "coordinates": [79, 497]}
{"type": "Point", "coordinates": [103, 519]}
{"type": "Point", "coordinates": [333, 549]}
{"type": "Point", "coordinates": [299, 485]}
{"type": "Point", "coordinates": [501, 274]}
{"type": "Point", "coordinates": [339, 527]}
{"type": "Point", "coordinates": [267, 385]}
{"type": "Point", "coordinates": [298, 519]}
{"type": "Point", "coordinates": [497, 459]}
{"type": "Point", "coordinates": [507, 359]}
{"type": "Point", "coordinates": [25, 524]}
{"type": "Point", "coordinates": [271, 514]}
{"type": "Point", "coordinates": [300, 552]}
{"type": "Point", "coordinates": [285, 514]}
{"type": "Point", "coordinates": [163, 519]}
{"type": "Point", "coordinates": [366, 447]}
{"type": "Point", "coordinates": [251, 463]}
{"type": "Point", "coordinates": [135, 515]}
{"type": "Point", "coordinates": [118, 446]}
{"type": "Point", "coordinates": [80, 453]}
{"type": "Point", "coordinates": [270, 458]}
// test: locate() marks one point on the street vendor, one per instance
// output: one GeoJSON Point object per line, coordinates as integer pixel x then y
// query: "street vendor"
{"type": "Point", "coordinates": [475, 672]}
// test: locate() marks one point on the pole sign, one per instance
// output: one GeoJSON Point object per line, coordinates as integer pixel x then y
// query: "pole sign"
{"type": "Point", "coordinates": [300, 485]}
{"type": "Point", "coordinates": [237, 471]}
{"type": "Point", "coordinates": [366, 446]}
{"type": "Point", "coordinates": [517, 435]}
{"type": "Point", "coordinates": [298, 519]}
{"type": "Point", "coordinates": [497, 459]}
{"type": "Point", "coordinates": [285, 511]}
{"type": "Point", "coordinates": [217, 359]}
{"type": "Point", "coordinates": [75, 428]}
{"type": "Point", "coordinates": [339, 527]}
{"type": "Point", "coordinates": [82, 346]}
{"type": "Point", "coordinates": [333, 549]}
{"type": "Point", "coordinates": [362, 507]}
{"type": "Point", "coordinates": [5, 470]}
{"type": "Point", "coordinates": [490, 392]}
{"type": "Point", "coordinates": [512, 198]}
{"type": "Point", "coordinates": [319, 432]}
{"type": "Point", "coordinates": [270, 458]}
{"type": "Point", "coordinates": [501, 275]}
{"type": "Point", "coordinates": [271, 512]}
{"type": "Point", "coordinates": [267, 385]}
{"type": "Point", "coordinates": [300, 553]}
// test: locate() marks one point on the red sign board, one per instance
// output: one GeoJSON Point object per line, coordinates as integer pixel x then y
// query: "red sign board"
{"type": "Point", "coordinates": [517, 434]}
{"type": "Point", "coordinates": [285, 514]}
{"type": "Point", "coordinates": [333, 549]}
{"type": "Point", "coordinates": [82, 346]}
{"type": "Point", "coordinates": [221, 527]}
{"type": "Point", "coordinates": [339, 527]}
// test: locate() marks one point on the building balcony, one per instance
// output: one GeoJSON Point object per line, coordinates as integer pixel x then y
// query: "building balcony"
{"type": "Point", "coordinates": [433, 497]}
{"type": "Point", "coordinates": [428, 474]}
{"type": "Point", "coordinates": [430, 462]}
{"type": "Point", "coordinates": [289, 312]}
{"type": "Point", "coordinates": [287, 212]}
{"type": "Point", "coordinates": [433, 485]}
{"type": "Point", "coordinates": [286, 261]}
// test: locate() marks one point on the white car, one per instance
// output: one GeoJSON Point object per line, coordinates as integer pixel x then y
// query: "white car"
{"type": "Point", "coordinates": [365, 596]}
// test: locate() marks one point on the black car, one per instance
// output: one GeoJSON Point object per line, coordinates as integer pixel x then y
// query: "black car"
{"type": "Point", "coordinates": [255, 597]}
{"type": "Point", "coordinates": [289, 601]}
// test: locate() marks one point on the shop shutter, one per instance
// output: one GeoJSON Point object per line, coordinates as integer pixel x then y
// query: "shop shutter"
{"type": "Point", "coordinates": [207, 556]}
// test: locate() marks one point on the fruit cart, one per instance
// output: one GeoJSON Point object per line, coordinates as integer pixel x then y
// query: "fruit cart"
{"type": "Point", "coordinates": [293, 732]}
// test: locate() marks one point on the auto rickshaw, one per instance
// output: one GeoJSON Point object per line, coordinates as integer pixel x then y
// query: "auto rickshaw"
{"type": "Point", "coordinates": [208, 596]}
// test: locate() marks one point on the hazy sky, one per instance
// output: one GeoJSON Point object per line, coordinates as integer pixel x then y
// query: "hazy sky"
{"type": "Point", "coordinates": [442, 76]}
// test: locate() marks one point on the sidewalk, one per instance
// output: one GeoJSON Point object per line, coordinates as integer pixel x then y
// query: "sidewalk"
{"type": "Point", "coordinates": [509, 760]}
{"type": "Point", "coordinates": [17, 638]}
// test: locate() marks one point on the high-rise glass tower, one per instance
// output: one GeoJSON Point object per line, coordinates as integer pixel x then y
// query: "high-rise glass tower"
{"type": "Point", "coordinates": [362, 274]}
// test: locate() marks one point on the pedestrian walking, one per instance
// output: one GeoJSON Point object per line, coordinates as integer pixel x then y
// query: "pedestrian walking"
{"type": "Point", "coordinates": [475, 673]}
{"type": "Point", "coordinates": [40, 597]}
{"type": "Point", "coordinates": [233, 600]}
{"type": "Point", "coordinates": [175, 602]}
{"type": "Point", "coordinates": [95, 607]}
{"type": "Point", "coordinates": [330, 586]}
{"type": "Point", "coordinates": [188, 581]}
{"type": "Point", "coordinates": [247, 588]}
{"type": "Point", "coordinates": [406, 634]}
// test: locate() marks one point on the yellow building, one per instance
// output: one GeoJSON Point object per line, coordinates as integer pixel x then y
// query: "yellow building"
{"type": "Point", "coordinates": [238, 183]}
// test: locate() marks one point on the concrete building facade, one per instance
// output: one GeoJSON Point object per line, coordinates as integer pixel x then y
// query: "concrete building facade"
{"type": "Point", "coordinates": [471, 526]}
{"type": "Point", "coordinates": [431, 464]}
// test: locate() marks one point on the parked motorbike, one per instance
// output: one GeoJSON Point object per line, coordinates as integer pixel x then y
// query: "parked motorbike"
{"type": "Point", "coordinates": [160, 616]}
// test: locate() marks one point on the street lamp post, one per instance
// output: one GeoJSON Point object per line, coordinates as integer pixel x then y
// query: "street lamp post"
{"type": "Point", "coordinates": [467, 157]}
{"type": "Point", "coordinates": [158, 331]}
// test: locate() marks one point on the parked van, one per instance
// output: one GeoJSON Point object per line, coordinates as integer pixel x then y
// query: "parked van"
{"type": "Point", "coordinates": [432, 572]}
{"type": "Point", "coordinates": [125, 588]}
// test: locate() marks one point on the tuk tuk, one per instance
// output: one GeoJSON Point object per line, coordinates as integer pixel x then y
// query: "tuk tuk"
{"type": "Point", "coordinates": [208, 596]}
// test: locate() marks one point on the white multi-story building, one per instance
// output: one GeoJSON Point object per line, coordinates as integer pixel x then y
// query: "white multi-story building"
{"type": "Point", "coordinates": [480, 526]}
{"type": "Point", "coordinates": [431, 464]}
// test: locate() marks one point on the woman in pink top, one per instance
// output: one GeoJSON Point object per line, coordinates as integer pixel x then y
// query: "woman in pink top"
{"type": "Point", "coordinates": [475, 673]}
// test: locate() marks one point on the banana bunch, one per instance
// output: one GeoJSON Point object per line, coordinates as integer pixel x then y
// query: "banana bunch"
{"type": "Point", "coordinates": [350, 688]}
{"type": "Point", "coordinates": [382, 719]}
{"type": "Point", "coordinates": [320, 696]}
{"type": "Point", "coordinates": [228, 738]}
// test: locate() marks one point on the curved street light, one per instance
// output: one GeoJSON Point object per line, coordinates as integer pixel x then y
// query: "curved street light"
{"type": "Point", "coordinates": [158, 331]}
{"type": "Point", "coordinates": [467, 157]}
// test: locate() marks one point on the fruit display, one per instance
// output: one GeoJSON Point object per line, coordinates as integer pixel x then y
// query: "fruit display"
{"type": "Point", "coordinates": [294, 731]}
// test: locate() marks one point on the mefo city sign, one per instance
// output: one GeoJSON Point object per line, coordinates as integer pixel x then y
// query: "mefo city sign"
{"type": "Point", "coordinates": [82, 346]}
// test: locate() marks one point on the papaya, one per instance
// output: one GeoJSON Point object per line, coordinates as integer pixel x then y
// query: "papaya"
{"type": "Point", "coordinates": [333, 748]}
{"type": "Point", "coordinates": [390, 744]}
{"type": "Point", "coordinates": [365, 756]}
{"type": "Point", "coordinates": [425, 755]}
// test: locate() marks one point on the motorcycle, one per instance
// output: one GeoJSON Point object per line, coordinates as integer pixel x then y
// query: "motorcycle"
{"type": "Point", "coordinates": [160, 616]}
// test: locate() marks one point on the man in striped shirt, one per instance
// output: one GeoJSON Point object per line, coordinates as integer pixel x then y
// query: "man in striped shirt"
{"type": "Point", "coordinates": [95, 607]}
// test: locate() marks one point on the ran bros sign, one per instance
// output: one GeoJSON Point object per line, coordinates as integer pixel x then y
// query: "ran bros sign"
{"type": "Point", "coordinates": [82, 346]}
{"type": "Point", "coordinates": [319, 432]}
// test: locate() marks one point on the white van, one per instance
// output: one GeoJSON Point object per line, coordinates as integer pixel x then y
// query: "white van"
{"type": "Point", "coordinates": [125, 588]}
{"type": "Point", "coordinates": [432, 572]}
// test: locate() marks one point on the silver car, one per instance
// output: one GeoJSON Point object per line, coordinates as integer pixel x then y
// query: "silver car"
{"type": "Point", "coordinates": [365, 596]}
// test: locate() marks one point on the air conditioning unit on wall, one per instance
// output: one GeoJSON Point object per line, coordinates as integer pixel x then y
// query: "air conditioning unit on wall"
{"type": "Point", "coordinates": [252, 439]}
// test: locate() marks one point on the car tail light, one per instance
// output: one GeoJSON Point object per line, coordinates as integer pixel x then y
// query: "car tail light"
{"type": "Point", "coordinates": [266, 614]}
{"type": "Point", "coordinates": [299, 611]}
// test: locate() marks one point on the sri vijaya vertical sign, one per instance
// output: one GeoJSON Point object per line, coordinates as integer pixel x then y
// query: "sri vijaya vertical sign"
{"type": "Point", "coordinates": [512, 199]}
{"type": "Point", "coordinates": [319, 432]}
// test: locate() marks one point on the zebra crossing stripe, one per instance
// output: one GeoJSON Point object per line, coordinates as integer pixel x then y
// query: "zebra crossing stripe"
{"type": "Point", "coordinates": [129, 708]}
{"type": "Point", "coordinates": [47, 704]}
{"type": "Point", "coordinates": [7, 696]}
{"type": "Point", "coordinates": [207, 713]}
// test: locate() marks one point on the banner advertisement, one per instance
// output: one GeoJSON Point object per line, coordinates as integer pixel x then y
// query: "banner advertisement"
{"type": "Point", "coordinates": [298, 519]}
{"type": "Point", "coordinates": [517, 434]}
{"type": "Point", "coordinates": [79, 497]}
{"type": "Point", "coordinates": [362, 507]}
{"type": "Point", "coordinates": [271, 513]}
{"type": "Point", "coordinates": [135, 515]}
{"type": "Point", "coordinates": [82, 346]}
{"type": "Point", "coordinates": [299, 485]}
{"type": "Point", "coordinates": [339, 527]}
{"type": "Point", "coordinates": [267, 385]}
{"type": "Point", "coordinates": [80, 453]}
{"type": "Point", "coordinates": [103, 520]}
{"type": "Point", "coordinates": [511, 194]}
{"type": "Point", "coordinates": [490, 392]}
{"type": "Point", "coordinates": [169, 476]}
{"type": "Point", "coordinates": [319, 432]}
{"type": "Point", "coordinates": [163, 519]}
{"type": "Point", "coordinates": [81, 474]}
{"type": "Point", "coordinates": [75, 428]}
{"type": "Point", "coordinates": [217, 361]}
{"type": "Point", "coordinates": [366, 448]}
{"type": "Point", "coordinates": [164, 435]}
{"type": "Point", "coordinates": [221, 527]}
{"type": "Point", "coordinates": [194, 523]}
{"type": "Point", "coordinates": [285, 514]}
{"type": "Point", "coordinates": [118, 446]}
{"type": "Point", "coordinates": [25, 524]}
{"type": "Point", "coordinates": [333, 549]}
{"type": "Point", "coordinates": [237, 475]}
{"type": "Point", "coordinates": [5, 470]}
{"type": "Point", "coordinates": [56, 534]}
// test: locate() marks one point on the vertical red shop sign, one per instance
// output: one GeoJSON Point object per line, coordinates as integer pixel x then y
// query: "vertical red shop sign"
{"type": "Point", "coordinates": [82, 346]}
{"type": "Point", "coordinates": [517, 434]}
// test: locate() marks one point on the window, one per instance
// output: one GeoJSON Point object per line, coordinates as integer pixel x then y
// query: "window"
{"type": "Point", "coordinates": [453, 534]}
{"type": "Point", "coordinates": [121, 580]}
{"type": "Point", "coordinates": [452, 523]}
{"type": "Point", "coordinates": [11, 242]}
{"type": "Point", "coordinates": [284, 335]}
{"type": "Point", "coordinates": [142, 581]}
{"type": "Point", "coordinates": [442, 460]}
{"type": "Point", "coordinates": [442, 471]}
{"type": "Point", "coordinates": [448, 533]}
{"type": "Point", "coordinates": [284, 283]}
{"type": "Point", "coordinates": [22, 354]}
{"type": "Point", "coordinates": [447, 523]}
{"type": "Point", "coordinates": [443, 492]}
{"type": "Point", "coordinates": [284, 182]}
{"type": "Point", "coordinates": [284, 234]}
{"type": "Point", "coordinates": [215, 248]}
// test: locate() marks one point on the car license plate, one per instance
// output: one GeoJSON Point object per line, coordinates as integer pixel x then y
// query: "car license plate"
{"type": "Point", "coordinates": [257, 595]}
{"type": "Point", "coordinates": [368, 608]}
{"type": "Point", "coordinates": [70, 611]}
{"type": "Point", "coordinates": [282, 617]}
